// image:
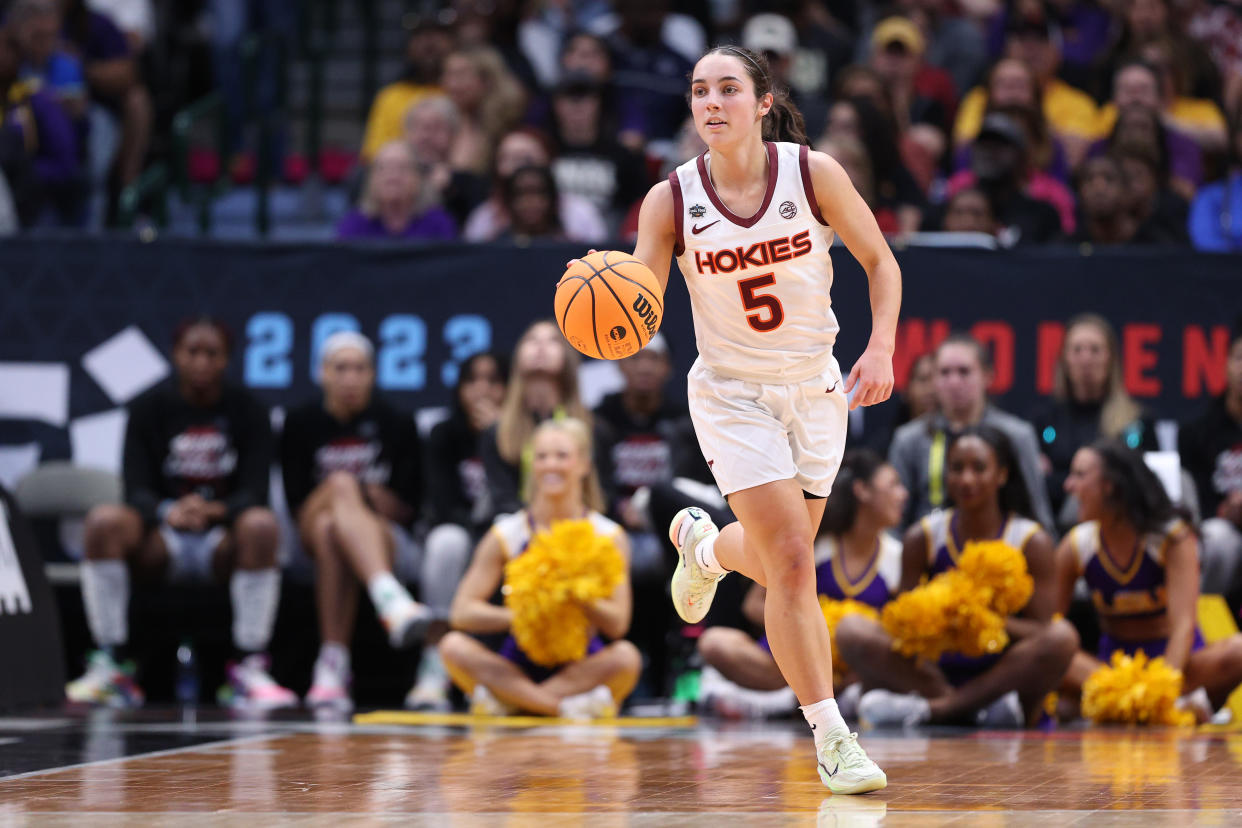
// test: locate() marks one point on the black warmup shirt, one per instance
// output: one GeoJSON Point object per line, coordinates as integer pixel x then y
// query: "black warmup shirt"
{"type": "Point", "coordinates": [379, 445]}
{"type": "Point", "coordinates": [222, 452]}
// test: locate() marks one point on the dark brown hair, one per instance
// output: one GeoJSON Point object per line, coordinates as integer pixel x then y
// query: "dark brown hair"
{"type": "Point", "coordinates": [206, 321]}
{"type": "Point", "coordinates": [783, 122]}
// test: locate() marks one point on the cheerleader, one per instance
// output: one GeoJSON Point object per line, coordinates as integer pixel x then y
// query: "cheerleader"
{"type": "Point", "coordinates": [990, 502]}
{"type": "Point", "coordinates": [1141, 565]}
{"type": "Point", "coordinates": [565, 487]}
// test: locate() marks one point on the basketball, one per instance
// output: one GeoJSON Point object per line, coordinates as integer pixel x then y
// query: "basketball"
{"type": "Point", "coordinates": [608, 305]}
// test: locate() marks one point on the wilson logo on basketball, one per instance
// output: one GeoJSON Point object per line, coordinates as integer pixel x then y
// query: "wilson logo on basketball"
{"type": "Point", "coordinates": [647, 314]}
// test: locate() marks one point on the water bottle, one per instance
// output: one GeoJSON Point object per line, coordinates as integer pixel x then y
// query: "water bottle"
{"type": "Point", "coordinates": [187, 674]}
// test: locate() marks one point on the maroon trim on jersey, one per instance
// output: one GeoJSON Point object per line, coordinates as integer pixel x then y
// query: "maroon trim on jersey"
{"type": "Point", "coordinates": [808, 186]}
{"type": "Point", "coordinates": [679, 209]}
{"type": "Point", "coordinates": [773, 169]}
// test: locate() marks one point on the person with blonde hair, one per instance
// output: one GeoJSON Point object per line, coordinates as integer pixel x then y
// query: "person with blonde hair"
{"type": "Point", "coordinates": [564, 487]}
{"type": "Point", "coordinates": [1089, 400]}
{"type": "Point", "coordinates": [543, 385]}
{"type": "Point", "coordinates": [488, 96]}
{"type": "Point", "coordinates": [394, 203]}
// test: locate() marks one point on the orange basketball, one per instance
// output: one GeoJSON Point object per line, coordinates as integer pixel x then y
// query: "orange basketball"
{"type": "Point", "coordinates": [609, 305]}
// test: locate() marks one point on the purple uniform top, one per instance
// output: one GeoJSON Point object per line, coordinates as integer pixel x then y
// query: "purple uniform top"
{"type": "Point", "coordinates": [1136, 591]}
{"type": "Point", "coordinates": [874, 585]}
{"type": "Point", "coordinates": [945, 543]}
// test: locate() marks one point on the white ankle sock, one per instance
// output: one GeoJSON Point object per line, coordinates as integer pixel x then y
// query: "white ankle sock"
{"type": "Point", "coordinates": [824, 718]}
{"type": "Point", "coordinates": [705, 554]}
{"type": "Point", "coordinates": [105, 593]}
{"type": "Point", "coordinates": [387, 594]}
{"type": "Point", "coordinates": [256, 595]}
{"type": "Point", "coordinates": [333, 662]}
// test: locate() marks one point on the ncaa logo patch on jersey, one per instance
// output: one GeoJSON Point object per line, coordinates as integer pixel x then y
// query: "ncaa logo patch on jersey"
{"type": "Point", "coordinates": [788, 209]}
{"type": "Point", "coordinates": [698, 211]}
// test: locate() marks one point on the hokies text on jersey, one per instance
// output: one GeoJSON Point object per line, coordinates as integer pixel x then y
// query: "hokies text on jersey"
{"type": "Point", "coordinates": [759, 254]}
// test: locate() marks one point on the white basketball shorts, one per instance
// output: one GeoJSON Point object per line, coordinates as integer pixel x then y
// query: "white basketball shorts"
{"type": "Point", "coordinates": [754, 433]}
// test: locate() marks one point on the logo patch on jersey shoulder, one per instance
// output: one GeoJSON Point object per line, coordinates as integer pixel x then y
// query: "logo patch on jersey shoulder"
{"type": "Point", "coordinates": [788, 209]}
{"type": "Point", "coordinates": [698, 211]}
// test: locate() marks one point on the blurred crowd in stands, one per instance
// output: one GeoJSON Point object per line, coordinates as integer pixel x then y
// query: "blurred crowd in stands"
{"type": "Point", "coordinates": [1027, 121]}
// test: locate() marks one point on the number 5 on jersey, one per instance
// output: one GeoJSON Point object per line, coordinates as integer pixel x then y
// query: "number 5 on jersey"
{"type": "Point", "coordinates": [759, 302]}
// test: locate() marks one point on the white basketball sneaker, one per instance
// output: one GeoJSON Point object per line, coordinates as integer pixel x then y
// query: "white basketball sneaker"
{"type": "Point", "coordinates": [693, 589]}
{"type": "Point", "coordinates": [845, 767]}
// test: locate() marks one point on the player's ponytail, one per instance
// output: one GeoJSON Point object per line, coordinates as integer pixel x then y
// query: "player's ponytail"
{"type": "Point", "coordinates": [783, 122]}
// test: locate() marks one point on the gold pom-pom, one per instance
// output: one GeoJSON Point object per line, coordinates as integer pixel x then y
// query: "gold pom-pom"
{"type": "Point", "coordinates": [1001, 568]}
{"type": "Point", "coordinates": [833, 612]}
{"type": "Point", "coordinates": [962, 610]}
{"type": "Point", "coordinates": [546, 587]}
{"type": "Point", "coordinates": [1135, 690]}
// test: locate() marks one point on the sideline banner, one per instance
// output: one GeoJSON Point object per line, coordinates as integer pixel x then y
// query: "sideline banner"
{"type": "Point", "coordinates": [85, 324]}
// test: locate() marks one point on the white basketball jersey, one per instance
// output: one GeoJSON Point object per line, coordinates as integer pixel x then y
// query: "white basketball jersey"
{"type": "Point", "coordinates": [759, 285]}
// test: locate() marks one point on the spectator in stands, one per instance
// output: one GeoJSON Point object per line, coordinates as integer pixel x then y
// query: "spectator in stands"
{"type": "Point", "coordinates": [1218, 27]}
{"type": "Point", "coordinates": [530, 197]}
{"type": "Point", "coordinates": [1136, 90]}
{"type": "Point", "coordinates": [197, 455]}
{"type": "Point", "coordinates": [1147, 21]}
{"type": "Point", "coordinates": [135, 18]}
{"type": "Point", "coordinates": [1198, 117]}
{"type": "Point", "coordinates": [395, 202]}
{"type": "Point", "coordinates": [35, 25]}
{"type": "Point", "coordinates": [508, 681]}
{"type": "Point", "coordinates": [579, 220]}
{"type": "Point", "coordinates": [1070, 113]}
{"type": "Point", "coordinates": [1160, 212]}
{"type": "Point", "coordinates": [587, 54]}
{"type": "Point", "coordinates": [431, 128]}
{"type": "Point", "coordinates": [1211, 450]}
{"type": "Point", "coordinates": [1089, 401]}
{"type": "Point", "coordinates": [923, 96]}
{"type": "Point", "coordinates": [650, 67]}
{"type": "Point", "coordinates": [546, 30]}
{"type": "Point", "coordinates": [1036, 184]}
{"type": "Point", "coordinates": [918, 398]}
{"type": "Point", "coordinates": [774, 36]}
{"type": "Point", "coordinates": [8, 210]}
{"type": "Point", "coordinates": [862, 82]}
{"type": "Point", "coordinates": [589, 161]}
{"type": "Point", "coordinates": [543, 385]}
{"type": "Point", "coordinates": [1105, 218]}
{"type": "Point", "coordinates": [489, 99]}
{"type": "Point", "coordinates": [495, 25]}
{"type": "Point", "coordinates": [352, 471]}
{"type": "Point", "coordinates": [896, 199]}
{"type": "Point", "coordinates": [998, 167]}
{"type": "Point", "coordinates": [429, 44]}
{"type": "Point", "coordinates": [121, 112]}
{"type": "Point", "coordinates": [969, 211]}
{"type": "Point", "coordinates": [38, 145]}
{"type": "Point", "coordinates": [963, 371]}
{"type": "Point", "coordinates": [1085, 30]}
{"type": "Point", "coordinates": [1010, 85]}
{"type": "Point", "coordinates": [458, 494]}
{"type": "Point", "coordinates": [1216, 213]}
{"type": "Point", "coordinates": [955, 43]}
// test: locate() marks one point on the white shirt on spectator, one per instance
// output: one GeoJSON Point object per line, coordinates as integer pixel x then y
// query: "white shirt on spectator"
{"type": "Point", "coordinates": [580, 219]}
{"type": "Point", "coordinates": [130, 16]}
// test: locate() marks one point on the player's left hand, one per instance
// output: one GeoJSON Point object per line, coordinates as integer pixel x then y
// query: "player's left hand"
{"type": "Point", "coordinates": [872, 377]}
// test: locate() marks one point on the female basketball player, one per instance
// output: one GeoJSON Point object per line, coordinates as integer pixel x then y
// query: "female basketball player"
{"type": "Point", "coordinates": [1141, 563]}
{"type": "Point", "coordinates": [855, 558]}
{"type": "Point", "coordinates": [565, 488]}
{"type": "Point", "coordinates": [750, 222]}
{"type": "Point", "coordinates": [990, 501]}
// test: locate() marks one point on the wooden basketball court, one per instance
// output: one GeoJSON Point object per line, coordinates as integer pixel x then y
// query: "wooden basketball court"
{"type": "Point", "coordinates": [174, 768]}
